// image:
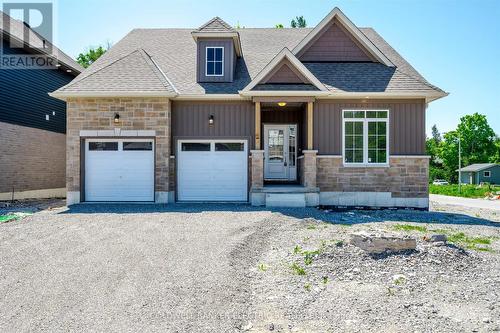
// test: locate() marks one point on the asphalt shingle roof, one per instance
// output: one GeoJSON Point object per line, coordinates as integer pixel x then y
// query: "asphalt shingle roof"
{"type": "Point", "coordinates": [216, 25]}
{"type": "Point", "coordinates": [174, 50]}
{"type": "Point", "coordinates": [478, 167]}
{"type": "Point", "coordinates": [135, 72]}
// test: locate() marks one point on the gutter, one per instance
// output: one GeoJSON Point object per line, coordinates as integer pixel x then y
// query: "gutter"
{"type": "Point", "coordinates": [111, 94]}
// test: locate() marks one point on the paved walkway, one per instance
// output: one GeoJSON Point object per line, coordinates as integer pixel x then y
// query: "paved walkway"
{"type": "Point", "coordinates": [465, 202]}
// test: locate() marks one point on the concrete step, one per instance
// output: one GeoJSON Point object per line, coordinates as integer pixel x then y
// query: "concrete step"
{"type": "Point", "coordinates": [285, 199]}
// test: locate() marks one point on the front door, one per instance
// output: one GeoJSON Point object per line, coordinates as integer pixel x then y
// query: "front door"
{"type": "Point", "coordinates": [280, 152]}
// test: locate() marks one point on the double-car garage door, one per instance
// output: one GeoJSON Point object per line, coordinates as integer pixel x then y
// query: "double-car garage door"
{"type": "Point", "coordinates": [207, 170]}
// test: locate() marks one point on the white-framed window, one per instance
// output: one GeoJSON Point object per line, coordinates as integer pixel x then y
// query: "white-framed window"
{"type": "Point", "coordinates": [365, 137]}
{"type": "Point", "coordinates": [214, 61]}
{"type": "Point", "coordinates": [487, 174]}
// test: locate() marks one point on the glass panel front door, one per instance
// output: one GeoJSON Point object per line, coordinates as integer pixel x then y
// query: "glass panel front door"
{"type": "Point", "coordinates": [280, 152]}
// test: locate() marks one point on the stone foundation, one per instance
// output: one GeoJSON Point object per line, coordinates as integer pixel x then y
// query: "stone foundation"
{"type": "Point", "coordinates": [404, 183]}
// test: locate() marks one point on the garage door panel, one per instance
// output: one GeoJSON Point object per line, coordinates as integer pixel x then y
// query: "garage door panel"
{"type": "Point", "coordinates": [211, 175]}
{"type": "Point", "coordinates": [119, 175]}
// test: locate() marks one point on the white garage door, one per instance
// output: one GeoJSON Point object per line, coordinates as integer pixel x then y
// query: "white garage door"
{"type": "Point", "coordinates": [212, 170]}
{"type": "Point", "coordinates": [119, 170]}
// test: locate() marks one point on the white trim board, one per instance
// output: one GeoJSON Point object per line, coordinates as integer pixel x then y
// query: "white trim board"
{"type": "Point", "coordinates": [117, 132]}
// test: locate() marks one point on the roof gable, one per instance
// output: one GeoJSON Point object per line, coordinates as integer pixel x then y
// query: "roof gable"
{"type": "Point", "coordinates": [216, 25]}
{"type": "Point", "coordinates": [135, 73]}
{"type": "Point", "coordinates": [334, 44]}
{"type": "Point", "coordinates": [285, 72]}
{"type": "Point", "coordinates": [337, 17]}
{"type": "Point", "coordinates": [285, 58]}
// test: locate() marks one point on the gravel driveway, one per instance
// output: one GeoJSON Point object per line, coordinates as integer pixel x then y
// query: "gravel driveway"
{"type": "Point", "coordinates": [214, 268]}
{"type": "Point", "coordinates": [465, 202]}
{"type": "Point", "coordinates": [164, 271]}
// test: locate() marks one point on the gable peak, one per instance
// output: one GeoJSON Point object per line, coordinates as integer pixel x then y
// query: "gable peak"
{"type": "Point", "coordinates": [216, 24]}
{"type": "Point", "coordinates": [338, 16]}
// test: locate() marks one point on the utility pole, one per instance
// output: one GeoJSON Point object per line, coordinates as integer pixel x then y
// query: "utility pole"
{"type": "Point", "coordinates": [459, 163]}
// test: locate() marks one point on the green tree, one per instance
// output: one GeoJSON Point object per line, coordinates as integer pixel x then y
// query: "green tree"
{"type": "Point", "coordinates": [477, 139]}
{"type": "Point", "coordinates": [91, 55]}
{"type": "Point", "coordinates": [298, 22]}
{"type": "Point", "coordinates": [496, 157]}
{"type": "Point", "coordinates": [279, 26]}
{"type": "Point", "coordinates": [436, 136]}
{"type": "Point", "coordinates": [432, 146]}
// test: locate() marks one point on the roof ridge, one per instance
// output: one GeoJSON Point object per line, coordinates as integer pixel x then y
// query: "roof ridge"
{"type": "Point", "coordinates": [77, 79]}
{"type": "Point", "coordinates": [160, 71]}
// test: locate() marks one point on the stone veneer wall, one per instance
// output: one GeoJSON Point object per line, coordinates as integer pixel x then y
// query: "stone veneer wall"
{"type": "Point", "coordinates": [135, 114]}
{"type": "Point", "coordinates": [31, 159]}
{"type": "Point", "coordinates": [406, 177]}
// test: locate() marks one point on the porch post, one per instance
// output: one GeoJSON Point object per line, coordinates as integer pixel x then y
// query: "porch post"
{"type": "Point", "coordinates": [257, 197]}
{"type": "Point", "coordinates": [257, 125]}
{"type": "Point", "coordinates": [309, 125]}
{"type": "Point", "coordinates": [310, 168]}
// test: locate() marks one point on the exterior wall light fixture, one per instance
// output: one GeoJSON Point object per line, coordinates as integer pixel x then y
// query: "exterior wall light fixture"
{"type": "Point", "coordinates": [117, 118]}
{"type": "Point", "coordinates": [211, 120]}
{"type": "Point", "coordinates": [282, 103]}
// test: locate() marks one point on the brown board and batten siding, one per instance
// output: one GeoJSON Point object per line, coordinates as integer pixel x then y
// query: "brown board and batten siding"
{"type": "Point", "coordinates": [334, 43]}
{"type": "Point", "coordinates": [406, 125]}
{"type": "Point", "coordinates": [232, 120]}
{"type": "Point", "coordinates": [229, 59]}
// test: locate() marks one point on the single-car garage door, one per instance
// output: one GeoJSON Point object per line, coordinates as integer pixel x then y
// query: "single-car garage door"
{"type": "Point", "coordinates": [212, 170]}
{"type": "Point", "coordinates": [119, 170]}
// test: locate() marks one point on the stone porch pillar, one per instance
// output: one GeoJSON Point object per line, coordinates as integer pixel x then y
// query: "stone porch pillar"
{"type": "Point", "coordinates": [257, 197]}
{"type": "Point", "coordinates": [310, 168]}
{"type": "Point", "coordinates": [257, 169]}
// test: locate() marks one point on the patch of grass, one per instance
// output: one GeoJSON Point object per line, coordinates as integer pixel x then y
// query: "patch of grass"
{"type": "Point", "coordinates": [297, 249]}
{"type": "Point", "coordinates": [325, 279]}
{"type": "Point", "coordinates": [471, 243]}
{"type": "Point", "coordinates": [297, 269]}
{"type": "Point", "coordinates": [409, 227]}
{"type": "Point", "coordinates": [311, 227]}
{"type": "Point", "coordinates": [307, 286]}
{"type": "Point", "coordinates": [262, 267]}
{"type": "Point", "coordinates": [468, 191]}
{"type": "Point", "coordinates": [457, 238]}
{"type": "Point", "coordinates": [309, 256]}
{"type": "Point", "coordinates": [400, 280]}
{"type": "Point", "coordinates": [6, 218]}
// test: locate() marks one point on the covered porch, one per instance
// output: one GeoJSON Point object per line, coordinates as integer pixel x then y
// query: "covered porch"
{"type": "Point", "coordinates": [283, 163]}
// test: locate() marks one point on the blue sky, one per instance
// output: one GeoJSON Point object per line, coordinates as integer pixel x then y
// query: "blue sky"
{"type": "Point", "coordinates": [454, 44]}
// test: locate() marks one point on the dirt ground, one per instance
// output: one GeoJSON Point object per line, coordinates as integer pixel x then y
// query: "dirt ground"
{"type": "Point", "coordinates": [233, 268]}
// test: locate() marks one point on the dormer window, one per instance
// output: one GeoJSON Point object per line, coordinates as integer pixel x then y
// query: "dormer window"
{"type": "Point", "coordinates": [214, 65]}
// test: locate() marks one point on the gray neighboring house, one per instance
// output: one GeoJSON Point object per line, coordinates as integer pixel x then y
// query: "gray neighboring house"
{"type": "Point", "coordinates": [32, 124]}
{"type": "Point", "coordinates": [481, 173]}
{"type": "Point", "coordinates": [330, 115]}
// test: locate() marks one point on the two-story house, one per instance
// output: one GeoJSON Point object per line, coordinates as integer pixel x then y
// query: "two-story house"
{"type": "Point", "coordinates": [331, 115]}
{"type": "Point", "coordinates": [32, 124]}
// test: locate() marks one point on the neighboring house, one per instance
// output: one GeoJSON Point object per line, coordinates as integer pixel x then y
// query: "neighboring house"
{"type": "Point", "coordinates": [218, 114]}
{"type": "Point", "coordinates": [481, 173]}
{"type": "Point", "coordinates": [32, 124]}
